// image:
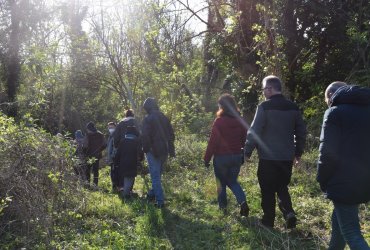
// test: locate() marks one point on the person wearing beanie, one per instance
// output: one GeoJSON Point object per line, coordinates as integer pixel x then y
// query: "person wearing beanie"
{"type": "Point", "coordinates": [94, 145]}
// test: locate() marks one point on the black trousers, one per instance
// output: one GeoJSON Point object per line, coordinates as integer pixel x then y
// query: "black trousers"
{"type": "Point", "coordinates": [274, 178]}
{"type": "Point", "coordinates": [95, 169]}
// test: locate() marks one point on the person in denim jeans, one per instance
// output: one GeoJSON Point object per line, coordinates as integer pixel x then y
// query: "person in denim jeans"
{"type": "Point", "coordinates": [343, 169]}
{"type": "Point", "coordinates": [225, 145]}
{"type": "Point", "coordinates": [158, 143]}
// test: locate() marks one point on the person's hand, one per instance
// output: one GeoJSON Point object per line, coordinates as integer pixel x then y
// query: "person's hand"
{"type": "Point", "coordinates": [206, 164]}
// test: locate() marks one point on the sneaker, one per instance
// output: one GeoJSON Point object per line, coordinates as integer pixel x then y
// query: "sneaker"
{"type": "Point", "coordinates": [244, 209]}
{"type": "Point", "coordinates": [291, 220]}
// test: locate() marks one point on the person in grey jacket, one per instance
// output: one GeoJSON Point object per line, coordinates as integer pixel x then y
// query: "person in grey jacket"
{"type": "Point", "coordinates": [344, 161]}
{"type": "Point", "coordinates": [279, 133]}
{"type": "Point", "coordinates": [111, 151]}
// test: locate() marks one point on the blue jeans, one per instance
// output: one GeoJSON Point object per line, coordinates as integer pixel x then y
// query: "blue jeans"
{"type": "Point", "coordinates": [227, 168]}
{"type": "Point", "coordinates": [155, 170]}
{"type": "Point", "coordinates": [346, 228]}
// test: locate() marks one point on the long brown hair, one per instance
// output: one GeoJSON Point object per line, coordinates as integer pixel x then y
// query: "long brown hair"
{"type": "Point", "coordinates": [228, 106]}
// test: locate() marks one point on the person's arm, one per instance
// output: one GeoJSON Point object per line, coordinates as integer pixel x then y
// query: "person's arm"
{"type": "Point", "coordinates": [330, 139]}
{"type": "Point", "coordinates": [116, 157]}
{"type": "Point", "coordinates": [212, 142]}
{"type": "Point", "coordinates": [254, 132]}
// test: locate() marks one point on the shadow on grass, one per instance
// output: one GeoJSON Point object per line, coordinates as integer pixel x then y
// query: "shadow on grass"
{"type": "Point", "coordinates": [261, 237]}
{"type": "Point", "coordinates": [187, 232]}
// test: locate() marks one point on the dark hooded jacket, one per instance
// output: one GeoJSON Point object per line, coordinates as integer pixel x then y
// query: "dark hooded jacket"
{"type": "Point", "coordinates": [157, 132]}
{"type": "Point", "coordinates": [344, 160]}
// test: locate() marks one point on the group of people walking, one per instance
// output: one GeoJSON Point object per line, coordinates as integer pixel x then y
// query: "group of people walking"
{"type": "Point", "coordinates": [277, 132]}
{"type": "Point", "coordinates": [127, 142]}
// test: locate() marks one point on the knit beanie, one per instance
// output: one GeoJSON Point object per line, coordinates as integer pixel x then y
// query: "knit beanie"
{"type": "Point", "coordinates": [91, 126]}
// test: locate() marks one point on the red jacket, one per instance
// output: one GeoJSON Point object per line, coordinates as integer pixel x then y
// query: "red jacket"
{"type": "Point", "coordinates": [228, 136]}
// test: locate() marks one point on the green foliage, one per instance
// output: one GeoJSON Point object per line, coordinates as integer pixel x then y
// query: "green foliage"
{"type": "Point", "coordinates": [36, 180]}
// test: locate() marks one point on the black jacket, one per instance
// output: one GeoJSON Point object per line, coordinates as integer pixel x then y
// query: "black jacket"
{"type": "Point", "coordinates": [94, 144]}
{"type": "Point", "coordinates": [128, 155]}
{"type": "Point", "coordinates": [344, 160]}
{"type": "Point", "coordinates": [121, 129]}
{"type": "Point", "coordinates": [157, 132]}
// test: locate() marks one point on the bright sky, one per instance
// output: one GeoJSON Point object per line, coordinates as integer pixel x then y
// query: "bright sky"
{"type": "Point", "coordinates": [198, 6]}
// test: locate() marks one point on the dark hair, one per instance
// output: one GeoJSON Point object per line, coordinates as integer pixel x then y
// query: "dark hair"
{"type": "Point", "coordinates": [112, 124]}
{"type": "Point", "coordinates": [227, 106]}
{"type": "Point", "coordinates": [129, 113]}
{"type": "Point", "coordinates": [273, 81]}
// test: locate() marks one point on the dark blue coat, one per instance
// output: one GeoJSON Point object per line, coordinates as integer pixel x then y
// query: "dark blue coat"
{"type": "Point", "coordinates": [344, 160]}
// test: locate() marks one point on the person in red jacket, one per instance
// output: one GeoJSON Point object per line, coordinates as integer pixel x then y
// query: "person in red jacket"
{"type": "Point", "coordinates": [225, 145]}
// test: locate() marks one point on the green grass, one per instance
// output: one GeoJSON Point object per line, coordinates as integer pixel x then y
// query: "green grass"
{"type": "Point", "coordinates": [191, 219]}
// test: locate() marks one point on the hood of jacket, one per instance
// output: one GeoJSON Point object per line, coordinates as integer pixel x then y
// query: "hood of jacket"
{"type": "Point", "coordinates": [150, 104]}
{"type": "Point", "coordinates": [351, 94]}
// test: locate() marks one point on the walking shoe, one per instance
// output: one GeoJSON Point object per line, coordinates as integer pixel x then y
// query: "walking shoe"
{"type": "Point", "coordinates": [244, 209]}
{"type": "Point", "coordinates": [291, 220]}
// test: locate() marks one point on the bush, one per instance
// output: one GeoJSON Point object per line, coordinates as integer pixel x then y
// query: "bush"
{"type": "Point", "coordinates": [36, 181]}
{"type": "Point", "coordinates": [190, 150]}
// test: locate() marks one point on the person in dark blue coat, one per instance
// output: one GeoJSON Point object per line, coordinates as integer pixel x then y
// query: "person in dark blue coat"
{"type": "Point", "coordinates": [129, 154]}
{"type": "Point", "coordinates": [344, 160]}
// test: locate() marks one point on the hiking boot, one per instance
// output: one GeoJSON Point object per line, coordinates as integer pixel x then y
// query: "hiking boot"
{"type": "Point", "coordinates": [291, 220]}
{"type": "Point", "coordinates": [244, 209]}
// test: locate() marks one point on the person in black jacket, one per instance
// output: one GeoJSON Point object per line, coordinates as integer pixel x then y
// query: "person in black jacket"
{"type": "Point", "coordinates": [94, 145]}
{"type": "Point", "coordinates": [158, 142]}
{"type": "Point", "coordinates": [128, 155]}
{"type": "Point", "coordinates": [344, 160]}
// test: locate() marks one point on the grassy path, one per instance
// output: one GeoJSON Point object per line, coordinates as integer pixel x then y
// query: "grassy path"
{"type": "Point", "coordinates": [191, 219]}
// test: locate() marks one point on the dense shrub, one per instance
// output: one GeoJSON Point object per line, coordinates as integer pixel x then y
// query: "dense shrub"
{"type": "Point", "coordinates": [36, 180]}
{"type": "Point", "coordinates": [190, 150]}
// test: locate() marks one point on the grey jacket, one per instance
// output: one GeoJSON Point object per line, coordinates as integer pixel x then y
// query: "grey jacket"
{"type": "Point", "coordinates": [277, 131]}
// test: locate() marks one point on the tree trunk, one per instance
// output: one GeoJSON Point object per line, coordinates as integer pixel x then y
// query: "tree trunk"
{"type": "Point", "coordinates": [13, 61]}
